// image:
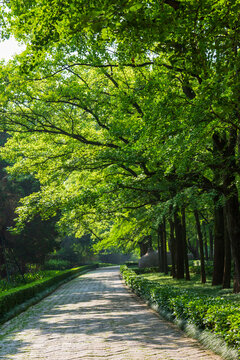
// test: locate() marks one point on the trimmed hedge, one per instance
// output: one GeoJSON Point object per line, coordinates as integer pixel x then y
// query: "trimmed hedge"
{"type": "Point", "coordinates": [215, 314]}
{"type": "Point", "coordinates": [146, 270]}
{"type": "Point", "coordinates": [17, 296]}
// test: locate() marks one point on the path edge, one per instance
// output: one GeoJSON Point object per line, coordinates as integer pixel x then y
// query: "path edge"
{"type": "Point", "coordinates": [40, 296]}
{"type": "Point", "coordinates": [209, 340]}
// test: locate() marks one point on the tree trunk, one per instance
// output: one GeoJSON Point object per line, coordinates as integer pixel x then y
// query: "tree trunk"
{"type": "Point", "coordinates": [162, 248]}
{"type": "Point", "coordinates": [200, 239]}
{"type": "Point", "coordinates": [205, 241]}
{"type": "Point", "coordinates": [159, 247]}
{"type": "Point", "coordinates": [185, 244]}
{"type": "Point", "coordinates": [145, 244]}
{"type": "Point", "coordinates": [172, 245]}
{"type": "Point", "coordinates": [18, 266]}
{"type": "Point", "coordinates": [210, 243]}
{"type": "Point", "coordinates": [193, 250]}
{"type": "Point", "coordinates": [179, 246]}
{"type": "Point", "coordinates": [3, 273]}
{"type": "Point", "coordinates": [218, 263]}
{"type": "Point", "coordinates": [4, 266]}
{"type": "Point", "coordinates": [231, 203]}
{"type": "Point", "coordinates": [165, 265]}
{"type": "Point", "coordinates": [227, 256]}
{"type": "Point", "coordinates": [233, 225]}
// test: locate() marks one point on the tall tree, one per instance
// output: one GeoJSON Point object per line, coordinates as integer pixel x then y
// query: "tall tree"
{"type": "Point", "coordinates": [182, 58]}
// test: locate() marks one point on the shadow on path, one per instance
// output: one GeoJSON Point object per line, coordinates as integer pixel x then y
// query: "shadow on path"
{"type": "Point", "coordinates": [93, 310]}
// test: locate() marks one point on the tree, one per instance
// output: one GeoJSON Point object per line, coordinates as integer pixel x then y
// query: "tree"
{"type": "Point", "coordinates": [91, 152]}
{"type": "Point", "coordinates": [190, 53]}
{"type": "Point", "coordinates": [38, 237]}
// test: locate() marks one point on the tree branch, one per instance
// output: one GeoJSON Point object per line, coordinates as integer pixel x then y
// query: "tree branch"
{"type": "Point", "coordinates": [173, 3]}
{"type": "Point", "coordinates": [137, 107]}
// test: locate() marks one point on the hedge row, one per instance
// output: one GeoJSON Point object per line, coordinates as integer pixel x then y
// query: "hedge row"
{"type": "Point", "coordinates": [215, 314]}
{"type": "Point", "coordinates": [17, 296]}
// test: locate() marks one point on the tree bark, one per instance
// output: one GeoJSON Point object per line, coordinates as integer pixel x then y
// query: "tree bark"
{"type": "Point", "coordinates": [165, 264]}
{"type": "Point", "coordinates": [179, 246]}
{"type": "Point", "coordinates": [205, 241]}
{"type": "Point", "coordinates": [200, 239]}
{"type": "Point", "coordinates": [185, 244]}
{"type": "Point", "coordinates": [4, 266]}
{"type": "Point", "coordinates": [3, 273]}
{"type": "Point", "coordinates": [172, 245]}
{"type": "Point", "coordinates": [232, 203]}
{"type": "Point", "coordinates": [227, 256]}
{"type": "Point", "coordinates": [159, 248]}
{"type": "Point", "coordinates": [145, 244]}
{"type": "Point", "coordinates": [162, 247]}
{"type": "Point", "coordinates": [233, 225]}
{"type": "Point", "coordinates": [18, 266]}
{"type": "Point", "coordinates": [210, 243]}
{"type": "Point", "coordinates": [218, 263]}
{"type": "Point", "coordinates": [193, 250]}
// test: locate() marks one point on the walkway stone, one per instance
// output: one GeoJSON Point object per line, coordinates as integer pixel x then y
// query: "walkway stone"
{"type": "Point", "coordinates": [95, 317]}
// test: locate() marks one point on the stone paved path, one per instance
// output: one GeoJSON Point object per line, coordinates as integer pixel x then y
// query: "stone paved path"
{"type": "Point", "coordinates": [95, 317]}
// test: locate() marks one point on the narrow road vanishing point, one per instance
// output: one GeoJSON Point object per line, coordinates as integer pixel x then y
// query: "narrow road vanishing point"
{"type": "Point", "coordinates": [95, 317]}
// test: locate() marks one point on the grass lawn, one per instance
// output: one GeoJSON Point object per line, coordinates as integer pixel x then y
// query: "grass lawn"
{"type": "Point", "coordinates": [193, 285]}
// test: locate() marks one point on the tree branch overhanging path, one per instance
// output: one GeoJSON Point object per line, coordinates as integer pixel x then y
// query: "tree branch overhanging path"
{"type": "Point", "coordinates": [126, 113]}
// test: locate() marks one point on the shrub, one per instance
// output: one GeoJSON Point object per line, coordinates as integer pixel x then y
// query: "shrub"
{"type": "Point", "coordinates": [18, 280]}
{"type": "Point", "coordinates": [196, 269]}
{"type": "Point", "coordinates": [11, 298]}
{"type": "Point", "coordinates": [206, 312]}
{"type": "Point", "coordinates": [145, 270]}
{"type": "Point", "coordinates": [57, 264]}
{"type": "Point", "coordinates": [131, 263]}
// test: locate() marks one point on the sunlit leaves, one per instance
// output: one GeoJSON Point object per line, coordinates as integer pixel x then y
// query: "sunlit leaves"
{"type": "Point", "coordinates": [116, 104]}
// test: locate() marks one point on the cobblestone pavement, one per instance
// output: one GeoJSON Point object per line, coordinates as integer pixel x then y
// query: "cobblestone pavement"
{"type": "Point", "coordinates": [95, 317]}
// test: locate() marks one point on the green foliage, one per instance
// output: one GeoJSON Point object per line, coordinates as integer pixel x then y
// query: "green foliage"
{"type": "Point", "coordinates": [207, 312]}
{"type": "Point", "coordinates": [102, 264]}
{"type": "Point", "coordinates": [147, 270]}
{"type": "Point", "coordinates": [196, 269]}
{"type": "Point", "coordinates": [115, 117]}
{"type": "Point", "coordinates": [108, 144]}
{"type": "Point", "coordinates": [57, 264]}
{"type": "Point", "coordinates": [18, 280]}
{"type": "Point", "coordinates": [132, 264]}
{"type": "Point", "coordinates": [76, 251]}
{"type": "Point", "coordinates": [16, 296]}
{"type": "Point", "coordinates": [36, 241]}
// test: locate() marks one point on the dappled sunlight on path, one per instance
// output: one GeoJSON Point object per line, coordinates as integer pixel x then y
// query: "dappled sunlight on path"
{"type": "Point", "coordinates": [93, 317]}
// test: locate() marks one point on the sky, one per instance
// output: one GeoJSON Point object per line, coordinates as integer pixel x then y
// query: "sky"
{"type": "Point", "coordinates": [9, 48]}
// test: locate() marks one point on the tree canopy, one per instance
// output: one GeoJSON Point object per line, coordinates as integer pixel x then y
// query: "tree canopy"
{"type": "Point", "coordinates": [124, 111]}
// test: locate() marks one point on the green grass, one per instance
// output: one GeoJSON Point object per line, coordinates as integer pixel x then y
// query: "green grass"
{"type": "Point", "coordinates": [194, 285]}
{"type": "Point", "coordinates": [30, 277]}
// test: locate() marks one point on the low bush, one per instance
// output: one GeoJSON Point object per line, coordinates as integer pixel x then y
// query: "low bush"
{"type": "Point", "coordinates": [206, 312]}
{"type": "Point", "coordinates": [131, 263]}
{"type": "Point", "coordinates": [19, 280]}
{"type": "Point", "coordinates": [57, 264]}
{"type": "Point", "coordinates": [16, 296]}
{"type": "Point", "coordinates": [147, 270]}
{"type": "Point", "coordinates": [105, 264]}
{"type": "Point", "coordinates": [196, 269]}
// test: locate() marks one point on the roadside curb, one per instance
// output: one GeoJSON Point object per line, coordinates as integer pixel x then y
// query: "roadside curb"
{"type": "Point", "coordinates": [34, 300]}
